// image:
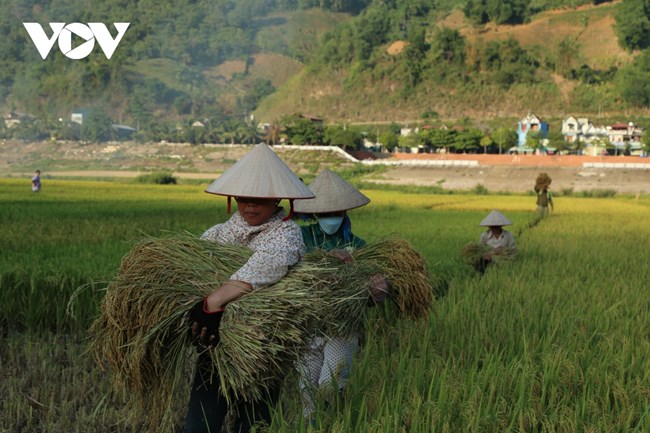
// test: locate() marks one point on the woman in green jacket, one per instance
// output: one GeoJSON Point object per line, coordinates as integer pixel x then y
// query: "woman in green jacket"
{"type": "Point", "coordinates": [328, 361]}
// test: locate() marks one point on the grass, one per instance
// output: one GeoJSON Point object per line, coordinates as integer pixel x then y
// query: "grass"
{"type": "Point", "coordinates": [555, 342]}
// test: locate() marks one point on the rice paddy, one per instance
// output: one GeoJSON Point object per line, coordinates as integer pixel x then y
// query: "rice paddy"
{"type": "Point", "coordinates": [556, 341]}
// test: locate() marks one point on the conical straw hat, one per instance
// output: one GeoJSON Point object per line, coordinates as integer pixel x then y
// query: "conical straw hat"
{"type": "Point", "coordinates": [260, 174]}
{"type": "Point", "coordinates": [495, 218]}
{"type": "Point", "coordinates": [333, 194]}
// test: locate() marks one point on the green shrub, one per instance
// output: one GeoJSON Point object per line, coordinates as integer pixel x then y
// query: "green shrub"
{"type": "Point", "coordinates": [567, 192]}
{"type": "Point", "coordinates": [157, 177]}
{"type": "Point", "coordinates": [599, 193]}
{"type": "Point", "coordinates": [480, 189]}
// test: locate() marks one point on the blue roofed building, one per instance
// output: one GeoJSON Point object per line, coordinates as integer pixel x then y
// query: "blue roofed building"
{"type": "Point", "coordinates": [528, 124]}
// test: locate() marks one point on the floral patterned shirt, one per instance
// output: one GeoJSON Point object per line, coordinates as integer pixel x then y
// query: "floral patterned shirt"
{"type": "Point", "coordinates": [276, 246]}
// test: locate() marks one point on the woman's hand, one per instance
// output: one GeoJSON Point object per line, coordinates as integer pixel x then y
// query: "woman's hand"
{"type": "Point", "coordinates": [342, 255]}
{"type": "Point", "coordinates": [379, 288]}
{"type": "Point", "coordinates": [204, 325]}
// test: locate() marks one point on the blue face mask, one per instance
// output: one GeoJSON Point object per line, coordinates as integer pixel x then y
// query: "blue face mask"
{"type": "Point", "coordinates": [330, 224]}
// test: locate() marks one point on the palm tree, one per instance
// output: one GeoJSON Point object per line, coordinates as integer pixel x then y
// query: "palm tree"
{"type": "Point", "coordinates": [248, 132]}
{"type": "Point", "coordinates": [273, 134]}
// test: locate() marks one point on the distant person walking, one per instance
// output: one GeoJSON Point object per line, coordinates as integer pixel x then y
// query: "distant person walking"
{"type": "Point", "coordinates": [544, 196]}
{"type": "Point", "coordinates": [36, 181]}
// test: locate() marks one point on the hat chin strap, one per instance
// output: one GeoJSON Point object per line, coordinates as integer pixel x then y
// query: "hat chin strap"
{"type": "Point", "coordinates": [229, 203]}
{"type": "Point", "coordinates": [288, 217]}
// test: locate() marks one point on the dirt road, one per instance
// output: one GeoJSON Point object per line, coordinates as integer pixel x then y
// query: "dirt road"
{"type": "Point", "coordinates": [626, 175]}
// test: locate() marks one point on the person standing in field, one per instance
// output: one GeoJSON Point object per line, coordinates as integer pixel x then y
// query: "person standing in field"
{"type": "Point", "coordinates": [257, 182]}
{"type": "Point", "coordinates": [501, 242]}
{"type": "Point", "coordinates": [36, 181]}
{"type": "Point", "coordinates": [328, 361]}
{"type": "Point", "coordinates": [544, 196]}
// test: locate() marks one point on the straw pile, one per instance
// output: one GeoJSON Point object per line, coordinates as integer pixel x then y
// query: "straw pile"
{"type": "Point", "coordinates": [142, 334]}
{"type": "Point", "coordinates": [472, 253]}
{"type": "Point", "coordinates": [542, 182]}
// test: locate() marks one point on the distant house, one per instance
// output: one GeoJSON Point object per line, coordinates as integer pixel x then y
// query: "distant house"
{"type": "Point", "coordinates": [594, 138]}
{"type": "Point", "coordinates": [14, 118]}
{"type": "Point", "coordinates": [582, 130]}
{"type": "Point", "coordinates": [78, 116]}
{"type": "Point", "coordinates": [621, 134]}
{"type": "Point", "coordinates": [528, 124]}
{"type": "Point", "coordinates": [405, 132]}
{"type": "Point", "coordinates": [123, 132]}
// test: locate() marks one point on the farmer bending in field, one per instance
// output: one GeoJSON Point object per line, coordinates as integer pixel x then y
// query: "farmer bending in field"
{"type": "Point", "coordinates": [257, 182]}
{"type": "Point", "coordinates": [501, 242]}
{"type": "Point", "coordinates": [328, 360]}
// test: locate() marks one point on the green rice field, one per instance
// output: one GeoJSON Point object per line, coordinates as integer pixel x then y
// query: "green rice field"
{"type": "Point", "coordinates": [558, 341]}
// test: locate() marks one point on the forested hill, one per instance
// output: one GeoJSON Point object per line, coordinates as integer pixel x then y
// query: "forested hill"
{"type": "Point", "coordinates": [482, 60]}
{"type": "Point", "coordinates": [344, 60]}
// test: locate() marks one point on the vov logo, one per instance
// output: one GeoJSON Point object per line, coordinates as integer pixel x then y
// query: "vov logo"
{"type": "Point", "coordinates": [63, 33]}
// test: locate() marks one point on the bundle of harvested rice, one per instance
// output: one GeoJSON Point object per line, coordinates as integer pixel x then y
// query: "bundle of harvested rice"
{"type": "Point", "coordinates": [347, 296]}
{"type": "Point", "coordinates": [142, 331]}
{"type": "Point", "coordinates": [406, 270]}
{"type": "Point", "coordinates": [472, 253]}
{"type": "Point", "coordinates": [542, 182]}
{"type": "Point", "coordinates": [263, 333]}
{"type": "Point", "coordinates": [142, 335]}
{"type": "Point", "coordinates": [344, 297]}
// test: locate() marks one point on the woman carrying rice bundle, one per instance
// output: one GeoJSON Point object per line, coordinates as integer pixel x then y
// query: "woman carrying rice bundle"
{"type": "Point", "coordinates": [328, 360]}
{"type": "Point", "coordinates": [257, 182]}
{"type": "Point", "coordinates": [544, 196]}
{"type": "Point", "coordinates": [496, 243]}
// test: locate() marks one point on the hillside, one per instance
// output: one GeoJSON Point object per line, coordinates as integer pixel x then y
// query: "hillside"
{"type": "Point", "coordinates": [345, 95]}
{"type": "Point", "coordinates": [359, 61]}
{"type": "Point", "coordinates": [178, 61]}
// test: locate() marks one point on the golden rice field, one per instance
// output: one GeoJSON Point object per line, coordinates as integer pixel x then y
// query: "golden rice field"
{"type": "Point", "coordinates": [558, 341]}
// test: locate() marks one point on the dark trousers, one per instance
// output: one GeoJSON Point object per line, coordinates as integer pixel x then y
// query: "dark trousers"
{"type": "Point", "coordinates": [482, 265]}
{"type": "Point", "coordinates": [208, 407]}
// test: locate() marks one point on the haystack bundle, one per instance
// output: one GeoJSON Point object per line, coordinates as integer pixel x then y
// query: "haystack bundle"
{"type": "Point", "coordinates": [142, 334]}
{"type": "Point", "coordinates": [472, 253]}
{"type": "Point", "coordinates": [345, 299]}
{"type": "Point", "coordinates": [542, 182]}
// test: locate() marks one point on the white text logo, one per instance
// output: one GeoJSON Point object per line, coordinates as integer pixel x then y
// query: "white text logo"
{"type": "Point", "coordinates": [63, 33]}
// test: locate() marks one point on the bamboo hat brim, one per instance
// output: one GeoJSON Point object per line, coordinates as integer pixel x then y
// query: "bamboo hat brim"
{"type": "Point", "coordinates": [333, 194]}
{"type": "Point", "coordinates": [260, 174]}
{"type": "Point", "coordinates": [495, 218]}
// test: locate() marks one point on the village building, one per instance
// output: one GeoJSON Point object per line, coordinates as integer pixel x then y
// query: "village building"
{"type": "Point", "coordinates": [529, 124]}
{"type": "Point", "coordinates": [594, 140]}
